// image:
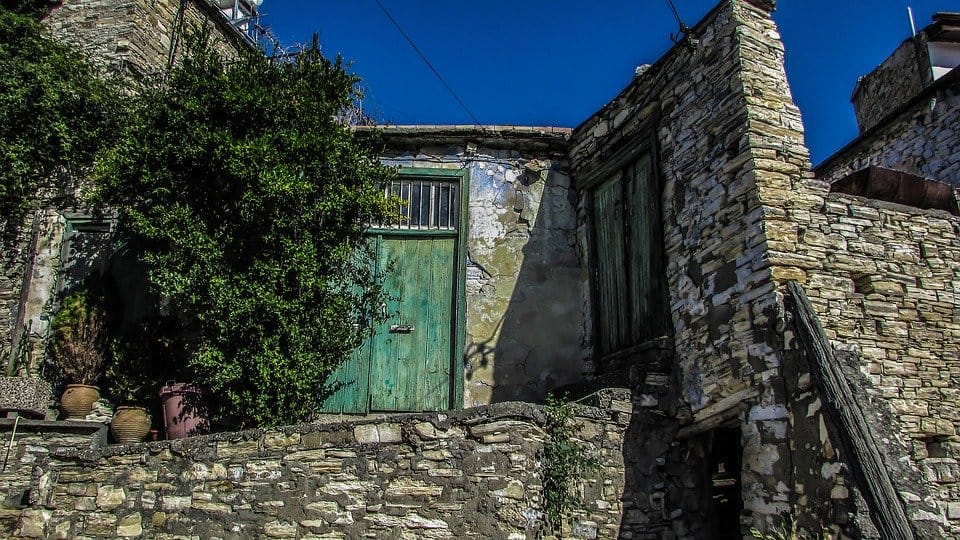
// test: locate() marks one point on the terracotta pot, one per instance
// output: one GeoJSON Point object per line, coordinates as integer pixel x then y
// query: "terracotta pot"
{"type": "Point", "coordinates": [130, 424]}
{"type": "Point", "coordinates": [184, 414]}
{"type": "Point", "coordinates": [77, 401]}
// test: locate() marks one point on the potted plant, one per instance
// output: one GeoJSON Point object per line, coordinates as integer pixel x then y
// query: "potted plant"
{"type": "Point", "coordinates": [78, 349]}
{"type": "Point", "coordinates": [127, 382]}
{"type": "Point", "coordinates": [144, 359]}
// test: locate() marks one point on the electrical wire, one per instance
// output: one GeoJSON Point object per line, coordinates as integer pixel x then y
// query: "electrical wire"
{"type": "Point", "coordinates": [685, 36]}
{"type": "Point", "coordinates": [430, 65]}
{"type": "Point", "coordinates": [676, 14]}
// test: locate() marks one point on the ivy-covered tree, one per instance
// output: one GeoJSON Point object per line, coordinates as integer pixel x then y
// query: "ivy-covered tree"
{"type": "Point", "coordinates": [55, 112]}
{"type": "Point", "coordinates": [248, 199]}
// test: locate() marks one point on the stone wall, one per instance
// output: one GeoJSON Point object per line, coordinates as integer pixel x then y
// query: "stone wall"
{"type": "Point", "coordinates": [524, 303]}
{"type": "Point", "coordinates": [469, 474]}
{"type": "Point", "coordinates": [923, 140]}
{"type": "Point", "coordinates": [742, 216]}
{"type": "Point", "coordinates": [900, 77]}
{"type": "Point", "coordinates": [882, 279]}
{"type": "Point", "coordinates": [138, 37]}
{"type": "Point", "coordinates": [712, 109]}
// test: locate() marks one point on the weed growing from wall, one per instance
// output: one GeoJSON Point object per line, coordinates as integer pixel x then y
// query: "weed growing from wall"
{"type": "Point", "coordinates": [565, 462]}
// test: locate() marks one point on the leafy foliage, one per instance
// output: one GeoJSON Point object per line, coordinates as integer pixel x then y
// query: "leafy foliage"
{"type": "Point", "coordinates": [141, 361]}
{"type": "Point", "coordinates": [564, 461]}
{"type": "Point", "coordinates": [249, 199]}
{"type": "Point", "coordinates": [80, 339]}
{"type": "Point", "coordinates": [55, 112]}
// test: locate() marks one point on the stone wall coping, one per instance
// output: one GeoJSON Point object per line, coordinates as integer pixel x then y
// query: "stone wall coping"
{"type": "Point", "coordinates": [493, 136]}
{"type": "Point", "coordinates": [951, 79]}
{"type": "Point", "coordinates": [199, 446]}
{"type": "Point", "coordinates": [641, 77]}
{"type": "Point", "coordinates": [893, 207]}
{"type": "Point", "coordinates": [54, 426]}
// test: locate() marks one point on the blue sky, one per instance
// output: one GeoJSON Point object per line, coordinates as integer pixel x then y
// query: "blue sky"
{"type": "Point", "coordinates": [555, 62]}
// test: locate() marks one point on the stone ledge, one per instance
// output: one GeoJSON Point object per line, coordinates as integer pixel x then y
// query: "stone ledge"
{"type": "Point", "coordinates": [544, 138]}
{"type": "Point", "coordinates": [398, 428]}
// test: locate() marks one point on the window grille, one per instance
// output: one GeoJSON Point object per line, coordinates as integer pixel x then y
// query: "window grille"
{"type": "Point", "coordinates": [428, 204]}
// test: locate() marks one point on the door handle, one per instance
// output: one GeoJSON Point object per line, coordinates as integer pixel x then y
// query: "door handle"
{"type": "Point", "coordinates": [401, 328]}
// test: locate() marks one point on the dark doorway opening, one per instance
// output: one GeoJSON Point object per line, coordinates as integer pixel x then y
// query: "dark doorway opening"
{"type": "Point", "coordinates": [726, 493]}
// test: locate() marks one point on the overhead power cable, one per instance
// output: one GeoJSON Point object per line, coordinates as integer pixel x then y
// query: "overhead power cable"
{"type": "Point", "coordinates": [429, 65]}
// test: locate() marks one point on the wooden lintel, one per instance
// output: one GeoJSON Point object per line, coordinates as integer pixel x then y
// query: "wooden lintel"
{"type": "Point", "coordinates": [718, 420]}
{"type": "Point", "coordinates": [747, 394]}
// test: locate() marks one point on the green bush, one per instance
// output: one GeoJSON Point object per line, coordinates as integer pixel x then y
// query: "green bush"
{"type": "Point", "coordinates": [565, 461]}
{"type": "Point", "coordinates": [250, 198]}
{"type": "Point", "coordinates": [55, 113]}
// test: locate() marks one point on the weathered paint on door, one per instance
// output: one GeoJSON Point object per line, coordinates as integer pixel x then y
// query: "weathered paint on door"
{"type": "Point", "coordinates": [408, 362]}
{"type": "Point", "coordinates": [410, 367]}
{"type": "Point", "coordinates": [630, 293]}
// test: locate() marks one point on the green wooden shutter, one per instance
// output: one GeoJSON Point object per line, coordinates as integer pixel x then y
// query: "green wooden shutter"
{"type": "Point", "coordinates": [612, 304]}
{"type": "Point", "coordinates": [630, 292]}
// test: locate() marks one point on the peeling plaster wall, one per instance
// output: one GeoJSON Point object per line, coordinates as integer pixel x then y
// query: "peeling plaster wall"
{"type": "Point", "coordinates": [524, 309]}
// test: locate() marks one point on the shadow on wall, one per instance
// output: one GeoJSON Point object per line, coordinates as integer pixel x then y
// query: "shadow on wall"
{"type": "Point", "coordinates": [530, 273]}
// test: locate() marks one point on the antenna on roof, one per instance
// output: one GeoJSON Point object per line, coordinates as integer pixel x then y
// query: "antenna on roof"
{"type": "Point", "coordinates": [685, 35]}
{"type": "Point", "coordinates": [913, 25]}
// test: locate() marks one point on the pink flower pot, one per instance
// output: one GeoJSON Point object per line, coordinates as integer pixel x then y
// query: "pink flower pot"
{"type": "Point", "coordinates": [184, 414]}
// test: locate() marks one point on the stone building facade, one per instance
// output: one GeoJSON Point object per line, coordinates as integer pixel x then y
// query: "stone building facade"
{"type": "Point", "coordinates": [724, 425]}
{"type": "Point", "coordinates": [743, 216]}
{"type": "Point", "coordinates": [908, 110]}
{"type": "Point", "coordinates": [520, 250]}
{"type": "Point", "coordinates": [140, 37]}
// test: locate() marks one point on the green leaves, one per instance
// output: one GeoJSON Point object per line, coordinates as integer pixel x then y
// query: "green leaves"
{"type": "Point", "coordinates": [250, 200]}
{"type": "Point", "coordinates": [565, 461]}
{"type": "Point", "coordinates": [55, 113]}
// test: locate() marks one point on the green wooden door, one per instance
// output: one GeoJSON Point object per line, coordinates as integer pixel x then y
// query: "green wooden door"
{"type": "Point", "coordinates": [410, 367]}
{"type": "Point", "coordinates": [408, 362]}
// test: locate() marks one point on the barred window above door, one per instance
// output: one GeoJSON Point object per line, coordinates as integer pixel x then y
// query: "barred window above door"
{"type": "Point", "coordinates": [428, 204]}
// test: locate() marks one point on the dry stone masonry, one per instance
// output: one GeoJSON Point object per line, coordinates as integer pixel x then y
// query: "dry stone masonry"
{"type": "Point", "coordinates": [469, 474]}
{"type": "Point", "coordinates": [723, 426]}
{"type": "Point", "coordinates": [923, 140]}
{"type": "Point", "coordinates": [139, 37]}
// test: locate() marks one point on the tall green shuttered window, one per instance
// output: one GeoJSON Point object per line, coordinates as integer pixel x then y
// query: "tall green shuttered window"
{"type": "Point", "coordinates": [629, 287]}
